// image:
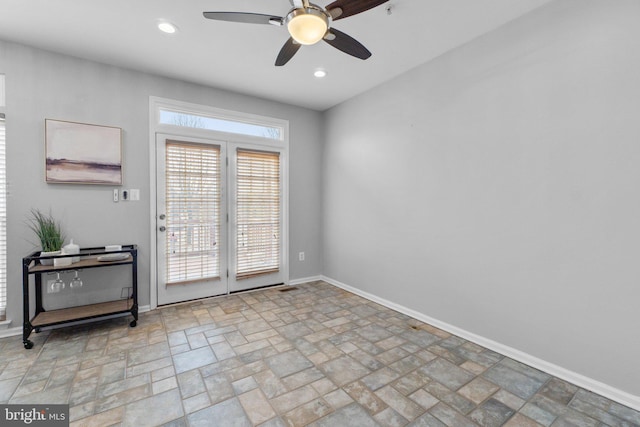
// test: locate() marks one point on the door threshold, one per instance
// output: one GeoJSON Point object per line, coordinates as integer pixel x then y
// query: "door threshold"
{"type": "Point", "coordinates": [244, 291]}
{"type": "Point", "coordinates": [259, 288]}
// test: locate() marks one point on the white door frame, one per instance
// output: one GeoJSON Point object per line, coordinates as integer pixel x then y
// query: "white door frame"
{"type": "Point", "coordinates": [155, 127]}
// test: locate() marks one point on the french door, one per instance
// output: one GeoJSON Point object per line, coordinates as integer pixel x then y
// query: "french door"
{"type": "Point", "coordinates": [255, 218]}
{"type": "Point", "coordinates": [219, 218]}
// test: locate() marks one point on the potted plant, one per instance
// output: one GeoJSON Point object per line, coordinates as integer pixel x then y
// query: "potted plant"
{"type": "Point", "coordinates": [49, 233]}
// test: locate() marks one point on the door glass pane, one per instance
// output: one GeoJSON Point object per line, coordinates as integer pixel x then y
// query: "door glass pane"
{"type": "Point", "coordinates": [191, 120]}
{"type": "Point", "coordinates": [258, 213]}
{"type": "Point", "coordinates": [193, 197]}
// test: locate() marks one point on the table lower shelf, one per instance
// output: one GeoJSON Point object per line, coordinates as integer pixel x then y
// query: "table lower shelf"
{"type": "Point", "coordinates": [82, 312]}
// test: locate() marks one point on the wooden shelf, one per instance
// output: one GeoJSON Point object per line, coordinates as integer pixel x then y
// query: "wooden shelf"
{"type": "Point", "coordinates": [82, 312]}
{"type": "Point", "coordinates": [83, 263]}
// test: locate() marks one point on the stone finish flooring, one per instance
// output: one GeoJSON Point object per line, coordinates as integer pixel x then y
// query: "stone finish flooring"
{"type": "Point", "coordinates": [307, 355]}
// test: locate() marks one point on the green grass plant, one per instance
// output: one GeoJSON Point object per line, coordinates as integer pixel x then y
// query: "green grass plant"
{"type": "Point", "coordinates": [47, 229]}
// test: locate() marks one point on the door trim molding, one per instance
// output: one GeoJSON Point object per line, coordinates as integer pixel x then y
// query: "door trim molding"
{"type": "Point", "coordinates": [155, 103]}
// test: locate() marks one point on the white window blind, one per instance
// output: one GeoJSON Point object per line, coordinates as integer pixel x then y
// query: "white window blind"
{"type": "Point", "coordinates": [258, 213]}
{"type": "Point", "coordinates": [3, 222]}
{"type": "Point", "coordinates": [193, 198]}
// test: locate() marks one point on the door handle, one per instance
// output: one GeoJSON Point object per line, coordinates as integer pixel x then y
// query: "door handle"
{"type": "Point", "coordinates": [162, 228]}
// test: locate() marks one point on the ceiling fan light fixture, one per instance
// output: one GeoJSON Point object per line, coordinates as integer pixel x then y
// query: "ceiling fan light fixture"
{"type": "Point", "coordinates": [307, 26]}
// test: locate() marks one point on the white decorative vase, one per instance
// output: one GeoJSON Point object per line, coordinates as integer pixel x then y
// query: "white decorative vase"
{"type": "Point", "coordinates": [72, 249]}
{"type": "Point", "coordinates": [48, 261]}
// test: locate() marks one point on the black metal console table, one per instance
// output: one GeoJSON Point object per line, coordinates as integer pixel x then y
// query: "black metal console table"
{"type": "Point", "coordinates": [31, 265]}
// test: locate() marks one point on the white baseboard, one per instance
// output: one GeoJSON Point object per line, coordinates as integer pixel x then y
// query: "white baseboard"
{"type": "Point", "coordinates": [12, 332]}
{"type": "Point", "coordinates": [580, 380]}
{"type": "Point", "coordinates": [295, 282]}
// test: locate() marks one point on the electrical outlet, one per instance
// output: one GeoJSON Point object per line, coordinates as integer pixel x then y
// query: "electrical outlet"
{"type": "Point", "coordinates": [134, 194]}
{"type": "Point", "coordinates": [301, 256]}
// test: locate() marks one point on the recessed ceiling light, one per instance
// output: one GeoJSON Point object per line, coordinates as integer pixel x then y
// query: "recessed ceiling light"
{"type": "Point", "coordinates": [167, 27]}
{"type": "Point", "coordinates": [320, 73]}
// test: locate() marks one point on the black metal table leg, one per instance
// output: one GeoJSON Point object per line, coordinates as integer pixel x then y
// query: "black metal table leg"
{"type": "Point", "coordinates": [134, 313]}
{"type": "Point", "coordinates": [26, 325]}
{"type": "Point", "coordinates": [134, 277]}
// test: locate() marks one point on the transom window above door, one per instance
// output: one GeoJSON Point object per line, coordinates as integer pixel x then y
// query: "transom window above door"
{"type": "Point", "coordinates": [177, 118]}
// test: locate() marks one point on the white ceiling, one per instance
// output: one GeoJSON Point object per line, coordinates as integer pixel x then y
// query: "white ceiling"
{"type": "Point", "coordinates": [240, 57]}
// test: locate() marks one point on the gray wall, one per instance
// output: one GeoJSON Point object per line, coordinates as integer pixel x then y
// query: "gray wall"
{"type": "Point", "coordinates": [496, 188]}
{"type": "Point", "coordinates": [42, 84]}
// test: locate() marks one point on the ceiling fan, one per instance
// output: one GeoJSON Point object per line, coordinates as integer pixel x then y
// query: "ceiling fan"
{"type": "Point", "coordinates": [307, 24]}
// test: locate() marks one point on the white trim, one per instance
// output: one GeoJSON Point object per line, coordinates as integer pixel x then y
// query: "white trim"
{"type": "Point", "coordinates": [153, 280]}
{"type": "Point", "coordinates": [144, 309]}
{"type": "Point", "coordinates": [5, 331]}
{"type": "Point", "coordinates": [580, 380]}
{"type": "Point", "coordinates": [10, 332]}
{"type": "Point", "coordinates": [295, 282]}
{"type": "Point", "coordinates": [155, 103]}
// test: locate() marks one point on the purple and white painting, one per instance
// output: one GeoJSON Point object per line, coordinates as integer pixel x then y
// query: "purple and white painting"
{"type": "Point", "coordinates": [78, 153]}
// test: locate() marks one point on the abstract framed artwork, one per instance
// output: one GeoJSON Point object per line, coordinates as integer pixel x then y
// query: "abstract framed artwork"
{"type": "Point", "coordinates": [80, 153]}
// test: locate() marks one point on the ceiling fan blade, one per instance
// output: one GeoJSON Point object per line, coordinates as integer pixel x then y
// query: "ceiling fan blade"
{"type": "Point", "coordinates": [344, 8]}
{"type": "Point", "coordinates": [347, 44]}
{"type": "Point", "coordinates": [246, 18]}
{"type": "Point", "coordinates": [286, 53]}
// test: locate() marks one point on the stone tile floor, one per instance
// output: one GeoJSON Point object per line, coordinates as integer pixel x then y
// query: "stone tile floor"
{"type": "Point", "coordinates": [307, 355]}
